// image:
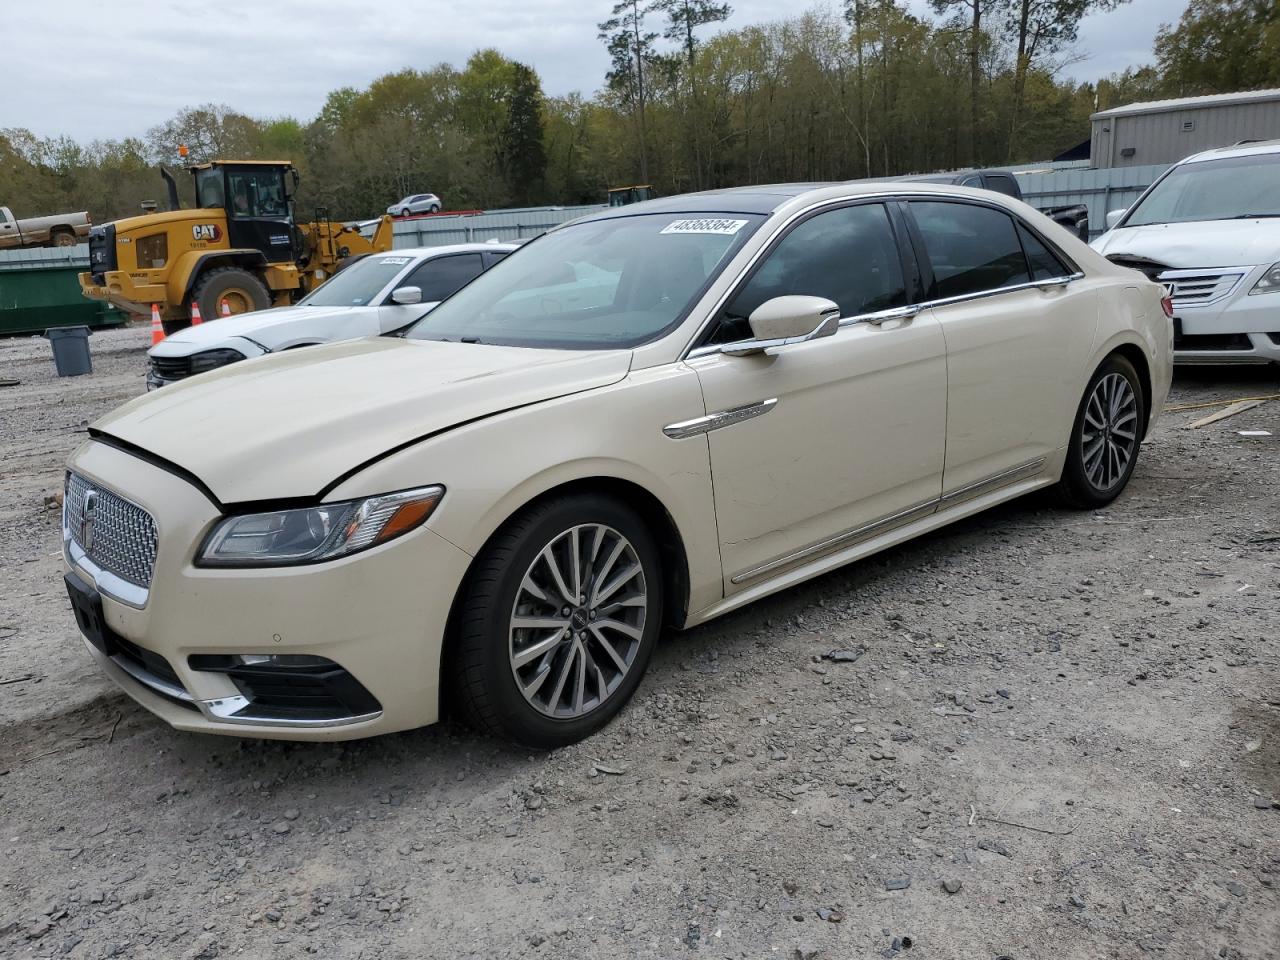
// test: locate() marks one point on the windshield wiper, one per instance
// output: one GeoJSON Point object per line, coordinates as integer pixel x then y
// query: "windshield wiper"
{"type": "Point", "coordinates": [1255, 216]}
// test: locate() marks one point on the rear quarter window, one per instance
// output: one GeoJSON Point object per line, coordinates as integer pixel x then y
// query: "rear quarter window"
{"type": "Point", "coordinates": [971, 248]}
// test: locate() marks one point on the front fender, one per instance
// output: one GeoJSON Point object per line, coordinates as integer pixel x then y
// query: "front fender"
{"type": "Point", "coordinates": [493, 467]}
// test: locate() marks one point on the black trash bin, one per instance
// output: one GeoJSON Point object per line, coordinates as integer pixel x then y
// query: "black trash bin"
{"type": "Point", "coordinates": [70, 350]}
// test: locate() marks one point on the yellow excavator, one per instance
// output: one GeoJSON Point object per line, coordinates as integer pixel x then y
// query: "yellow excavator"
{"type": "Point", "coordinates": [240, 246]}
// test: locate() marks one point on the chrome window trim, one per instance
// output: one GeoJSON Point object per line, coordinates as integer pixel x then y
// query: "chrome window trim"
{"type": "Point", "coordinates": [902, 518]}
{"type": "Point", "coordinates": [1013, 288]}
{"type": "Point", "coordinates": [690, 351]}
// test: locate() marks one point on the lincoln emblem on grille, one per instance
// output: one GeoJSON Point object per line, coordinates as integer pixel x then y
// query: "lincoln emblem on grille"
{"type": "Point", "coordinates": [87, 516]}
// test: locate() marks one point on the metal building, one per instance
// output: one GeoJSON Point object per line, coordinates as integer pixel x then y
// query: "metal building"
{"type": "Point", "coordinates": [1164, 131]}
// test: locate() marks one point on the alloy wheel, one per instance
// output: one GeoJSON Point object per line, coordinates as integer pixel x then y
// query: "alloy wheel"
{"type": "Point", "coordinates": [577, 622]}
{"type": "Point", "coordinates": [1109, 434]}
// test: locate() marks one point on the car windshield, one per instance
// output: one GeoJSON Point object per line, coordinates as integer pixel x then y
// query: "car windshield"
{"type": "Point", "coordinates": [617, 282]}
{"type": "Point", "coordinates": [1225, 189]}
{"type": "Point", "coordinates": [358, 284]}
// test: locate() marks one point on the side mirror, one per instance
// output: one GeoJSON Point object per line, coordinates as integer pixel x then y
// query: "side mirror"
{"type": "Point", "coordinates": [406, 295]}
{"type": "Point", "coordinates": [1113, 216]}
{"type": "Point", "coordinates": [787, 320]}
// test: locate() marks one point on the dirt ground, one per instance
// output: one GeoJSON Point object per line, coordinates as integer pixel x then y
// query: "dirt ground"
{"type": "Point", "coordinates": [1057, 735]}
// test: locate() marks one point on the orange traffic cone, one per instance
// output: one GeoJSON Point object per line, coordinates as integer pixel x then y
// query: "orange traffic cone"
{"type": "Point", "coordinates": [224, 308]}
{"type": "Point", "coordinates": [196, 319]}
{"type": "Point", "coordinates": [157, 328]}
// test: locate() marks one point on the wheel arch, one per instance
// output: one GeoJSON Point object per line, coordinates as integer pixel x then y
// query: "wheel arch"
{"type": "Point", "coordinates": [1138, 357]}
{"type": "Point", "coordinates": [671, 546]}
{"type": "Point", "coordinates": [192, 266]}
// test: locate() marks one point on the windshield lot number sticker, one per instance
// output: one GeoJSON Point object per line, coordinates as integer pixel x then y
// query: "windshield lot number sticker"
{"type": "Point", "coordinates": [723, 227]}
{"type": "Point", "coordinates": [394, 260]}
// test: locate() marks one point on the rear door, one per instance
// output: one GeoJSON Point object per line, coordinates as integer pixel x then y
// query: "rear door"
{"type": "Point", "coordinates": [817, 446]}
{"type": "Point", "coordinates": [1018, 330]}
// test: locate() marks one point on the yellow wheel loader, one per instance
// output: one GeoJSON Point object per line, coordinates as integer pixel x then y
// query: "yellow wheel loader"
{"type": "Point", "coordinates": [240, 247]}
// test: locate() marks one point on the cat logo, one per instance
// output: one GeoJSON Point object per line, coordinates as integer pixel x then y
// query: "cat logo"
{"type": "Point", "coordinates": [206, 231]}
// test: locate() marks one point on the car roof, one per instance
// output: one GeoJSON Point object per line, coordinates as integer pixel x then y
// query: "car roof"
{"type": "Point", "coordinates": [771, 197]}
{"type": "Point", "coordinates": [1242, 149]}
{"type": "Point", "coordinates": [447, 248]}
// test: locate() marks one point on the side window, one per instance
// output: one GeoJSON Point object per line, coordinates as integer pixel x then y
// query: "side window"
{"type": "Point", "coordinates": [1044, 265]}
{"type": "Point", "coordinates": [440, 278]}
{"type": "Point", "coordinates": [971, 182]}
{"type": "Point", "coordinates": [1003, 183]}
{"type": "Point", "coordinates": [848, 255]}
{"type": "Point", "coordinates": [970, 248]}
{"type": "Point", "coordinates": [256, 193]}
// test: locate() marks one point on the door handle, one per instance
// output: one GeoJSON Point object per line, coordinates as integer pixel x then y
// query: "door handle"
{"type": "Point", "coordinates": [897, 313]}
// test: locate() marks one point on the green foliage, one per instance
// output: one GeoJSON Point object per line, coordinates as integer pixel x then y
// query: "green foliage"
{"type": "Point", "coordinates": [1219, 46]}
{"type": "Point", "coordinates": [871, 91]}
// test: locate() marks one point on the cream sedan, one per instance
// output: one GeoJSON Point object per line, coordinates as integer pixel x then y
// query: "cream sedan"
{"type": "Point", "coordinates": [648, 417]}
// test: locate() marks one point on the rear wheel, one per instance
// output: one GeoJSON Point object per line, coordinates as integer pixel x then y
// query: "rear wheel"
{"type": "Point", "coordinates": [63, 238]}
{"type": "Point", "coordinates": [558, 621]}
{"type": "Point", "coordinates": [1105, 437]}
{"type": "Point", "coordinates": [434, 208]}
{"type": "Point", "coordinates": [242, 291]}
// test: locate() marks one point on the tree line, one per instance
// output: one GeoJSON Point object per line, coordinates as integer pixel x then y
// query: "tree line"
{"type": "Point", "coordinates": [866, 90]}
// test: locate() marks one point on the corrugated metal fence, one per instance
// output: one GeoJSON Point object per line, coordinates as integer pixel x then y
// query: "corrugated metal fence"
{"type": "Point", "coordinates": [39, 258]}
{"type": "Point", "coordinates": [1063, 185]}
{"type": "Point", "coordinates": [516, 224]}
{"type": "Point", "coordinates": [1100, 190]}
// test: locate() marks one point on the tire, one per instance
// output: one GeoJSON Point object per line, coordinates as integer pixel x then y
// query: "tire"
{"type": "Point", "coordinates": [1105, 438]}
{"type": "Point", "coordinates": [62, 237]}
{"type": "Point", "coordinates": [242, 290]}
{"type": "Point", "coordinates": [405, 212]}
{"type": "Point", "coordinates": [434, 208]}
{"type": "Point", "coordinates": [490, 658]}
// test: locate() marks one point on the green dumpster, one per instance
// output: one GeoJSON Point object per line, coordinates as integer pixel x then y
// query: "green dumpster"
{"type": "Point", "coordinates": [35, 298]}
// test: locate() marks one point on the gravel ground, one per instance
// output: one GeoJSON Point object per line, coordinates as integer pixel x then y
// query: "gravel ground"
{"type": "Point", "coordinates": [1045, 734]}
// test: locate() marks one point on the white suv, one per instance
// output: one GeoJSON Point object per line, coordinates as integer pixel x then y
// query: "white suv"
{"type": "Point", "coordinates": [415, 203]}
{"type": "Point", "coordinates": [1209, 227]}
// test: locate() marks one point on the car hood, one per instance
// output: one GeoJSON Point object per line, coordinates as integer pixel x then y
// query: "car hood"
{"type": "Point", "coordinates": [290, 424]}
{"type": "Point", "coordinates": [1204, 243]}
{"type": "Point", "coordinates": [255, 326]}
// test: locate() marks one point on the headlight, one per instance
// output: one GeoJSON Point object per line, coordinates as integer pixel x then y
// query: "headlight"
{"type": "Point", "coordinates": [313, 534]}
{"type": "Point", "coordinates": [212, 359]}
{"type": "Point", "coordinates": [1269, 282]}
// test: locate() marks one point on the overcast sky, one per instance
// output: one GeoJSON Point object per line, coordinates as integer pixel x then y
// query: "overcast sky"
{"type": "Point", "coordinates": [94, 69]}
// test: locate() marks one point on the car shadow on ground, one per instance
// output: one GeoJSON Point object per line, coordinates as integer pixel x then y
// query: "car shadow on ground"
{"type": "Point", "coordinates": [116, 722]}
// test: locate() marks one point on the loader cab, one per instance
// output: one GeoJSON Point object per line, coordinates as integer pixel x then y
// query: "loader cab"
{"type": "Point", "coordinates": [258, 201]}
{"type": "Point", "coordinates": [625, 196]}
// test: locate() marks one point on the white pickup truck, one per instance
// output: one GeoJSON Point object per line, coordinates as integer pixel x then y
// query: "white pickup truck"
{"type": "Point", "coordinates": [57, 230]}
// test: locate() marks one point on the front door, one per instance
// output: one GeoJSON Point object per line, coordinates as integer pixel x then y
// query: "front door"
{"type": "Point", "coordinates": [842, 437]}
{"type": "Point", "coordinates": [1011, 316]}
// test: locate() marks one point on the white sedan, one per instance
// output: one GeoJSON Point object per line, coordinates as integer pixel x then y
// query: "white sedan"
{"type": "Point", "coordinates": [641, 420]}
{"type": "Point", "coordinates": [377, 294]}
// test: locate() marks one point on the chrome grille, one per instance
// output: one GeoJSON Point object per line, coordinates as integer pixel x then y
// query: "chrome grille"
{"type": "Point", "coordinates": [1200, 287]}
{"type": "Point", "coordinates": [121, 535]}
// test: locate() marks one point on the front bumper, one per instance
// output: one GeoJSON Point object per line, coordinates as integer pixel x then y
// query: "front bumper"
{"type": "Point", "coordinates": [1224, 323]}
{"type": "Point", "coordinates": [379, 615]}
{"type": "Point", "coordinates": [130, 295]}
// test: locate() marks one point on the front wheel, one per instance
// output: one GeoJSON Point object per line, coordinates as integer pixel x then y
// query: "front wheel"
{"type": "Point", "coordinates": [557, 623]}
{"type": "Point", "coordinates": [1105, 437]}
{"type": "Point", "coordinates": [405, 212]}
